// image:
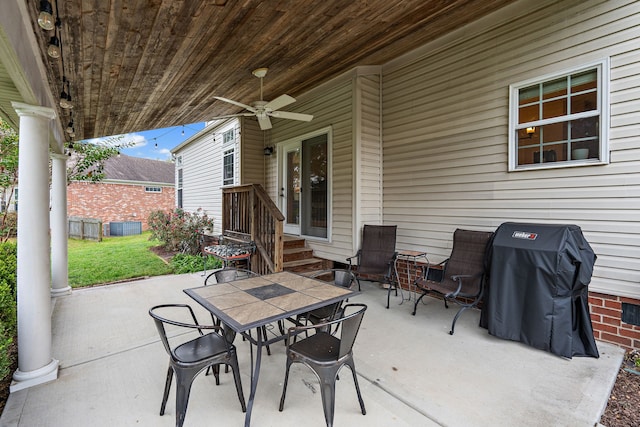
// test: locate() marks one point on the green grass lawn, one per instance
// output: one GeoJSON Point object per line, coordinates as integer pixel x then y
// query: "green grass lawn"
{"type": "Point", "coordinates": [113, 259]}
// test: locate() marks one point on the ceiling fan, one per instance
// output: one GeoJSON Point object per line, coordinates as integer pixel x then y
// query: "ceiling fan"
{"type": "Point", "coordinates": [262, 109]}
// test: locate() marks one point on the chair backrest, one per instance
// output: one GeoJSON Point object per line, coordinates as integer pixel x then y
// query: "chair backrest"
{"type": "Point", "coordinates": [160, 321]}
{"type": "Point", "coordinates": [229, 274]}
{"type": "Point", "coordinates": [350, 325]}
{"type": "Point", "coordinates": [468, 256]}
{"type": "Point", "coordinates": [378, 248]}
{"type": "Point", "coordinates": [343, 278]}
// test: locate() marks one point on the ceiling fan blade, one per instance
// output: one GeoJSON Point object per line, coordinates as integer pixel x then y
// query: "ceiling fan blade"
{"type": "Point", "coordinates": [264, 121]}
{"type": "Point", "coordinates": [239, 104]}
{"type": "Point", "coordinates": [229, 116]}
{"type": "Point", "coordinates": [279, 102]}
{"type": "Point", "coordinates": [292, 116]}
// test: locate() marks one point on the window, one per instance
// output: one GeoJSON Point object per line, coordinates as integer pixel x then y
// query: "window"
{"type": "Point", "coordinates": [179, 192]}
{"type": "Point", "coordinates": [228, 157]}
{"type": "Point", "coordinates": [227, 167]}
{"type": "Point", "coordinates": [153, 189]}
{"type": "Point", "coordinates": [229, 136]}
{"type": "Point", "coordinates": [560, 120]}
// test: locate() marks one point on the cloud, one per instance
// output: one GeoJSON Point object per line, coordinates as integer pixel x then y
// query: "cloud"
{"type": "Point", "coordinates": [131, 140]}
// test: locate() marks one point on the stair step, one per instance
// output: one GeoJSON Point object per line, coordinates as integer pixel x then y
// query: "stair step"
{"type": "Point", "coordinates": [290, 242]}
{"type": "Point", "coordinates": [295, 254]}
{"type": "Point", "coordinates": [303, 265]}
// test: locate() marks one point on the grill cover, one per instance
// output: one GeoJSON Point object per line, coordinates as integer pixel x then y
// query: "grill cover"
{"type": "Point", "coordinates": [538, 288]}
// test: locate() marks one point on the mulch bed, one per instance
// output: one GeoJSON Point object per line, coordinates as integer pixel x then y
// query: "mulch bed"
{"type": "Point", "coordinates": [623, 408]}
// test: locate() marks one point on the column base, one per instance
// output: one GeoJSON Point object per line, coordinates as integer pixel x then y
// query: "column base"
{"type": "Point", "coordinates": [22, 380]}
{"type": "Point", "coordinates": [60, 292]}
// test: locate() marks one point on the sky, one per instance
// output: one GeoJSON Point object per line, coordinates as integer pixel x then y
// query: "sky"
{"type": "Point", "coordinates": [153, 144]}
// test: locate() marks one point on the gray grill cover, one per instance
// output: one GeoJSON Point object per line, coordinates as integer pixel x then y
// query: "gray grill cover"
{"type": "Point", "coordinates": [538, 288]}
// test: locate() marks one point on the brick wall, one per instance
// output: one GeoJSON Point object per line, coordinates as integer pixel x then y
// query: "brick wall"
{"type": "Point", "coordinates": [606, 317]}
{"type": "Point", "coordinates": [116, 202]}
{"type": "Point", "coordinates": [606, 313]}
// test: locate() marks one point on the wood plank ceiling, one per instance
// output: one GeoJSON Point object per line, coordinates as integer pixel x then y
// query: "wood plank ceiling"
{"type": "Point", "coordinates": [143, 64]}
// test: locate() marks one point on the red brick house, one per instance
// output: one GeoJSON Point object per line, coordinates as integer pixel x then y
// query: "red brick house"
{"type": "Point", "coordinates": [132, 188]}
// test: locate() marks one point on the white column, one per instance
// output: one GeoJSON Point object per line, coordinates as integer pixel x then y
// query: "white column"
{"type": "Point", "coordinates": [35, 362]}
{"type": "Point", "coordinates": [59, 260]}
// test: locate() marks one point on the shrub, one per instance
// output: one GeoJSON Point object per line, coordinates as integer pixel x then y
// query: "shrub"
{"type": "Point", "coordinates": [8, 315]}
{"type": "Point", "coordinates": [179, 230]}
{"type": "Point", "coordinates": [9, 265]}
{"type": "Point", "coordinates": [184, 263]}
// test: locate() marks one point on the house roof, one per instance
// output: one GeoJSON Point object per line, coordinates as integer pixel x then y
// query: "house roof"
{"type": "Point", "coordinates": [140, 65]}
{"type": "Point", "coordinates": [127, 168]}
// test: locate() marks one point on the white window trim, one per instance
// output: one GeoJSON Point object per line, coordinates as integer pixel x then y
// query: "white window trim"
{"type": "Point", "coordinates": [604, 109]}
{"type": "Point", "coordinates": [227, 146]}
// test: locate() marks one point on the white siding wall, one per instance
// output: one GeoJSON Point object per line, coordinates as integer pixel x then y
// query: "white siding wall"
{"type": "Point", "coordinates": [332, 107]}
{"type": "Point", "coordinates": [445, 116]}
{"type": "Point", "coordinates": [202, 172]}
{"type": "Point", "coordinates": [252, 152]}
{"type": "Point", "coordinates": [368, 152]}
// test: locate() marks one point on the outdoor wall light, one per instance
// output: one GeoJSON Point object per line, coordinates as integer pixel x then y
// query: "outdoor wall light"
{"type": "Point", "coordinates": [268, 151]}
{"type": "Point", "coordinates": [45, 18]}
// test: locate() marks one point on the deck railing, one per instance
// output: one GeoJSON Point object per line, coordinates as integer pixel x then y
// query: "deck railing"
{"type": "Point", "coordinates": [249, 209]}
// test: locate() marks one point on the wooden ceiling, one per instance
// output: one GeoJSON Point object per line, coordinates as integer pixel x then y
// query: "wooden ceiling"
{"type": "Point", "coordinates": [143, 64]}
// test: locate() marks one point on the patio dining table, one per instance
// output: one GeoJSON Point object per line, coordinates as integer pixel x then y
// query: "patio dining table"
{"type": "Point", "coordinates": [246, 304]}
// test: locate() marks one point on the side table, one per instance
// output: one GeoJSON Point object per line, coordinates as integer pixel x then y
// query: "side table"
{"type": "Point", "coordinates": [408, 256]}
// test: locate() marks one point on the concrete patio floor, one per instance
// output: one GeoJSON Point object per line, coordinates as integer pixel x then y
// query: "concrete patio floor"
{"type": "Point", "coordinates": [411, 371]}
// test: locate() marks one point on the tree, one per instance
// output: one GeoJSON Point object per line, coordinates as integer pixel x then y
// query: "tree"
{"type": "Point", "coordinates": [8, 178]}
{"type": "Point", "coordinates": [87, 158]}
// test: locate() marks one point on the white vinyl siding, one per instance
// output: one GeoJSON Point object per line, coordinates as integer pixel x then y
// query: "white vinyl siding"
{"type": "Point", "coordinates": [332, 108]}
{"type": "Point", "coordinates": [445, 116]}
{"type": "Point", "coordinates": [252, 156]}
{"type": "Point", "coordinates": [202, 172]}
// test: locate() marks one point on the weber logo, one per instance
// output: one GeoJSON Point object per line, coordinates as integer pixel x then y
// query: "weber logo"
{"type": "Point", "coordinates": [524, 235]}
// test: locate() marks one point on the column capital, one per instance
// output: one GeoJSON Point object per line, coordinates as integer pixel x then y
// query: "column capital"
{"type": "Point", "coordinates": [33, 110]}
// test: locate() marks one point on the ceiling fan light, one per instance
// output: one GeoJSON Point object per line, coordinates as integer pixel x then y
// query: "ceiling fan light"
{"type": "Point", "coordinates": [54, 48]}
{"type": "Point", "coordinates": [45, 18]}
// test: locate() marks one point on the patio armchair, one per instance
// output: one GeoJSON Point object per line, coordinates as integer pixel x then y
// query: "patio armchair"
{"type": "Point", "coordinates": [377, 254]}
{"type": "Point", "coordinates": [325, 354]}
{"type": "Point", "coordinates": [461, 277]}
{"type": "Point", "coordinates": [190, 358]}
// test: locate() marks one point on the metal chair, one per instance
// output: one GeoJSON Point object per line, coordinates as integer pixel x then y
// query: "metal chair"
{"type": "Point", "coordinates": [340, 277]}
{"type": "Point", "coordinates": [325, 354]}
{"type": "Point", "coordinates": [377, 254]}
{"type": "Point", "coordinates": [190, 358]}
{"type": "Point", "coordinates": [460, 278]}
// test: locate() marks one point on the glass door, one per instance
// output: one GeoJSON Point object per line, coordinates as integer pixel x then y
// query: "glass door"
{"type": "Point", "coordinates": [304, 197]}
{"type": "Point", "coordinates": [290, 192]}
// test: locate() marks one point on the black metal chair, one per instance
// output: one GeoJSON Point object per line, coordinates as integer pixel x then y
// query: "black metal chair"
{"type": "Point", "coordinates": [461, 277]}
{"type": "Point", "coordinates": [340, 277]}
{"type": "Point", "coordinates": [229, 274]}
{"type": "Point", "coordinates": [325, 354]}
{"type": "Point", "coordinates": [190, 358]}
{"type": "Point", "coordinates": [377, 254]}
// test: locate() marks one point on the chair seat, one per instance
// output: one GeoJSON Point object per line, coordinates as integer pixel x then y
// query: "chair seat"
{"type": "Point", "coordinates": [321, 346]}
{"type": "Point", "coordinates": [229, 252]}
{"type": "Point", "coordinates": [203, 347]}
{"type": "Point", "coordinates": [447, 286]}
{"type": "Point", "coordinates": [322, 313]}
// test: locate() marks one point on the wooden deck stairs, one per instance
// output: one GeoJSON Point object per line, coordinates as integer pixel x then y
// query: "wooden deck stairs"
{"type": "Point", "coordinates": [298, 257]}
